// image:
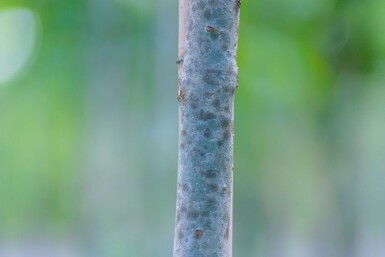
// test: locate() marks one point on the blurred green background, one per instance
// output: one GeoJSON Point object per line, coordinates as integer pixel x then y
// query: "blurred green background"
{"type": "Point", "coordinates": [88, 128]}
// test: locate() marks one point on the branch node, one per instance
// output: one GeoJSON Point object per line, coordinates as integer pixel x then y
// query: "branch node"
{"type": "Point", "coordinates": [179, 61]}
{"type": "Point", "coordinates": [211, 29]}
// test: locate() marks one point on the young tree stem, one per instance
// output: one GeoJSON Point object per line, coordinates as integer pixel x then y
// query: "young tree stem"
{"type": "Point", "coordinates": [208, 77]}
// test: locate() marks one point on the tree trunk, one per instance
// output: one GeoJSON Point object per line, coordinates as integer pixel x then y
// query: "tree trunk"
{"type": "Point", "coordinates": [208, 77]}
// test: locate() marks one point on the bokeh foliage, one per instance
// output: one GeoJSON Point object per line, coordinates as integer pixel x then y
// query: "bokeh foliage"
{"type": "Point", "coordinates": [88, 130]}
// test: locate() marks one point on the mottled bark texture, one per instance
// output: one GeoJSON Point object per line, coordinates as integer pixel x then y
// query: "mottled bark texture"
{"type": "Point", "coordinates": [208, 80]}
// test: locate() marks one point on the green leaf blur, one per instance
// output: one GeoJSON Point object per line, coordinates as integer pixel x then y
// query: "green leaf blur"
{"type": "Point", "coordinates": [88, 129]}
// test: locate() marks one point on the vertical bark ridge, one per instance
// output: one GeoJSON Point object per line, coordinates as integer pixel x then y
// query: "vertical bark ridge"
{"type": "Point", "coordinates": [183, 4]}
{"type": "Point", "coordinates": [208, 81]}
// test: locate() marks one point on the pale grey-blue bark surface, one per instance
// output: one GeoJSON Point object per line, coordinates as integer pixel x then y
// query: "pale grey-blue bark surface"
{"type": "Point", "coordinates": [206, 102]}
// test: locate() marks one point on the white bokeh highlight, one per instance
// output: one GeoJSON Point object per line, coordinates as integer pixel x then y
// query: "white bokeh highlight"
{"type": "Point", "coordinates": [18, 33]}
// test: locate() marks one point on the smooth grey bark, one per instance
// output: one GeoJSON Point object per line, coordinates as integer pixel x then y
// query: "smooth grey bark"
{"type": "Point", "coordinates": [209, 77]}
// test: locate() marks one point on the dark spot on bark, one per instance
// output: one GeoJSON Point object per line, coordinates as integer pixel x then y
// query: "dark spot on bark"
{"type": "Point", "coordinates": [211, 203]}
{"type": "Point", "coordinates": [182, 145]}
{"type": "Point", "coordinates": [209, 94]}
{"type": "Point", "coordinates": [207, 133]}
{"type": "Point", "coordinates": [177, 217]}
{"type": "Point", "coordinates": [220, 143]}
{"type": "Point", "coordinates": [212, 2]}
{"type": "Point", "coordinates": [231, 71]}
{"type": "Point", "coordinates": [209, 116]}
{"type": "Point", "coordinates": [205, 213]}
{"type": "Point", "coordinates": [192, 215]}
{"type": "Point", "coordinates": [213, 187]}
{"type": "Point", "coordinates": [226, 108]}
{"type": "Point", "coordinates": [224, 191]}
{"type": "Point", "coordinates": [225, 47]}
{"type": "Point", "coordinates": [198, 233]}
{"type": "Point", "coordinates": [194, 105]}
{"type": "Point", "coordinates": [213, 32]}
{"type": "Point", "coordinates": [226, 135]}
{"type": "Point", "coordinates": [206, 115]}
{"type": "Point", "coordinates": [199, 152]}
{"type": "Point", "coordinates": [184, 132]}
{"type": "Point", "coordinates": [217, 104]}
{"type": "Point", "coordinates": [228, 89]}
{"type": "Point", "coordinates": [212, 76]}
{"type": "Point", "coordinates": [209, 80]}
{"type": "Point", "coordinates": [207, 14]}
{"type": "Point", "coordinates": [209, 173]}
{"type": "Point", "coordinates": [225, 123]}
{"type": "Point", "coordinates": [185, 187]}
{"type": "Point", "coordinates": [183, 209]}
{"type": "Point", "coordinates": [180, 235]}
